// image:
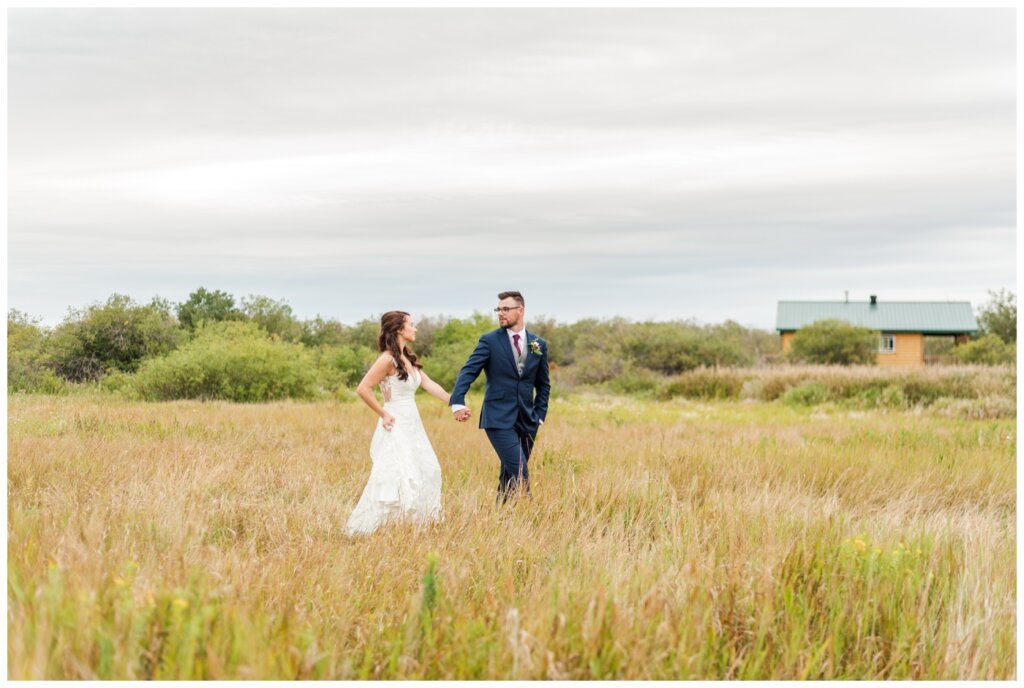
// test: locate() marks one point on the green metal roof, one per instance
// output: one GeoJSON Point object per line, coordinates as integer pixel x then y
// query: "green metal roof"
{"type": "Point", "coordinates": [934, 317]}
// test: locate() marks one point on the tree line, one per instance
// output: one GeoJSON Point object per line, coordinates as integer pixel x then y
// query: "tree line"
{"type": "Point", "coordinates": [213, 345]}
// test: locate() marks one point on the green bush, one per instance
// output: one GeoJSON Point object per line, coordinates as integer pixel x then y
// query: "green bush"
{"type": "Point", "coordinates": [364, 333]}
{"type": "Point", "coordinates": [596, 367]}
{"type": "Point", "coordinates": [235, 361]}
{"type": "Point", "coordinates": [834, 342]}
{"type": "Point", "coordinates": [665, 347]}
{"type": "Point", "coordinates": [756, 346]}
{"type": "Point", "coordinates": [673, 348]}
{"type": "Point", "coordinates": [809, 394]}
{"type": "Point", "coordinates": [464, 331]}
{"type": "Point", "coordinates": [28, 365]}
{"type": "Point", "coordinates": [323, 333]}
{"type": "Point", "coordinates": [989, 350]}
{"type": "Point", "coordinates": [116, 335]}
{"type": "Point", "coordinates": [122, 384]}
{"type": "Point", "coordinates": [569, 344]}
{"type": "Point", "coordinates": [341, 367]}
{"type": "Point", "coordinates": [452, 345]}
{"type": "Point", "coordinates": [890, 396]}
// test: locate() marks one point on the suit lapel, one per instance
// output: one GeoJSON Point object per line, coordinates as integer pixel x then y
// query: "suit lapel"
{"type": "Point", "coordinates": [509, 354]}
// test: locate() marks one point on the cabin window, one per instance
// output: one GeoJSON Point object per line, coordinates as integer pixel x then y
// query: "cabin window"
{"type": "Point", "coordinates": [887, 344]}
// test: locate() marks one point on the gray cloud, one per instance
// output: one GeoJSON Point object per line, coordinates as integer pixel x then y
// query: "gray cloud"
{"type": "Point", "coordinates": [649, 163]}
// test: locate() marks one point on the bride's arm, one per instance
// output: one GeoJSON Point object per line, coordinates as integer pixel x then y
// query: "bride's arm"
{"type": "Point", "coordinates": [433, 389]}
{"type": "Point", "coordinates": [380, 369]}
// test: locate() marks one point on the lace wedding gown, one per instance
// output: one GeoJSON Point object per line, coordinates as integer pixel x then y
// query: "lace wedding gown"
{"type": "Point", "coordinates": [405, 480]}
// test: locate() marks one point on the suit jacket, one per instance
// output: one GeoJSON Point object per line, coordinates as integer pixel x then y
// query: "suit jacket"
{"type": "Point", "coordinates": [507, 395]}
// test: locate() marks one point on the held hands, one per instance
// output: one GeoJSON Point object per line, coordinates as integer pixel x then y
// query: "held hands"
{"type": "Point", "coordinates": [462, 415]}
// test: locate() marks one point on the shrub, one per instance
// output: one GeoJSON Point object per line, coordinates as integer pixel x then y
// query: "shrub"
{"type": "Point", "coordinates": [363, 333]}
{"type": "Point", "coordinates": [119, 383]}
{"type": "Point", "coordinates": [596, 367]}
{"type": "Point", "coordinates": [809, 394]}
{"type": "Point", "coordinates": [341, 367]}
{"type": "Point", "coordinates": [116, 335]}
{"type": "Point", "coordinates": [673, 348]}
{"type": "Point", "coordinates": [452, 345]}
{"type": "Point", "coordinates": [27, 361]}
{"type": "Point", "coordinates": [235, 361]}
{"type": "Point", "coordinates": [319, 332]}
{"type": "Point", "coordinates": [570, 343]}
{"type": "Point", "coordinates": [757, 346]}
{"type": "Point", "coordinates": [834, 342]}
{"type": "Point", "coordinates": [890, 396]}
{"type": "Point", "coordinates": [464, 331]}
{"type": "Point", "coordinates": [989, 350]}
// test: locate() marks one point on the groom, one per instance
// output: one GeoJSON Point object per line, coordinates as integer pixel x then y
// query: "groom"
{"type": "Point", "coordinates": [516, 363]}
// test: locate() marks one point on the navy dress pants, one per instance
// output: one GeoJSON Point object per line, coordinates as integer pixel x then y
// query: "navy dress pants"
{"type": "Point", "coordinates": [513, 446]}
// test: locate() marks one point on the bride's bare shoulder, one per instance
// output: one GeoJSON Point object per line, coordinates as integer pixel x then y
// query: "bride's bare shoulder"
{"type": "Point", "coordinates": [385, 362]}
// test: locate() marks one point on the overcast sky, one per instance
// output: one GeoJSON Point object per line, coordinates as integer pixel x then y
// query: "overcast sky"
{"type": "Point", "coordinates": [670, 163]}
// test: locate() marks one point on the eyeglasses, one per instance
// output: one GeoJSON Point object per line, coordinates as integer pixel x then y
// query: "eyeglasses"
{"type": "Point", "coordinates": [506, 309]}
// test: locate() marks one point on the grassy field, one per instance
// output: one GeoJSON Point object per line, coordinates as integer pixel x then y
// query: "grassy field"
{"type": "Point", "coordinates": [664, 540]}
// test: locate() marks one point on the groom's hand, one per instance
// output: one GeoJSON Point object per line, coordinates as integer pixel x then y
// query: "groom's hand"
{"type": "Point", "coordinates": [462, 415]}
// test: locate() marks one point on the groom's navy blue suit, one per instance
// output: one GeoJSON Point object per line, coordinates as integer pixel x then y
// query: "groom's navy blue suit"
{"type": "Point", "coordinates": [511, 414]}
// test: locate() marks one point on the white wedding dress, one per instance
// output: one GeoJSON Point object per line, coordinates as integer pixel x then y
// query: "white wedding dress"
{"type": "Point", "coordinates": [405, 479]}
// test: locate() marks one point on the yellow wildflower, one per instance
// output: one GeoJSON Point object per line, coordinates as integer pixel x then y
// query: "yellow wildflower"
{"type": "Point", "coordinates": [181, 602]}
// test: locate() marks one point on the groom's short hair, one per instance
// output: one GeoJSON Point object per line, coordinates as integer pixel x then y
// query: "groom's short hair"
{"type": "Point", "coordinates": [512, 295]}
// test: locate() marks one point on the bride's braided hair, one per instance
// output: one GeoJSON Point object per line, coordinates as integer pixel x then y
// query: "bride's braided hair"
{"type": "Point", "coordinates": [391, 323]}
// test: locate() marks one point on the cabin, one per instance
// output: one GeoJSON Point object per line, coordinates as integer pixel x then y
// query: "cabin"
{"type": "Point", "coordinates": [903, 324]}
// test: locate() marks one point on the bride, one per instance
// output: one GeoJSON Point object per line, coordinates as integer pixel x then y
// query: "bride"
{"type": "Point", "coordinates": [405, 479]}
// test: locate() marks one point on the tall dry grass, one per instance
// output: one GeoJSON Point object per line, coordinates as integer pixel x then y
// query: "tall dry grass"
{"type": "Point", "coordinates": [917, 386]}
{"type": "Point", "coordinates": [663, 540]}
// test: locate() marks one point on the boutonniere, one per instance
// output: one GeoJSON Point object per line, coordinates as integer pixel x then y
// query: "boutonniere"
{"type": "Point", "coordinates": [535, 347]}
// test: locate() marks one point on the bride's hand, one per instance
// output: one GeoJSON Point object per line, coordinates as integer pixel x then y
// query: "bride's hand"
{"type": "Point", "coordinates": [389, 421]}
